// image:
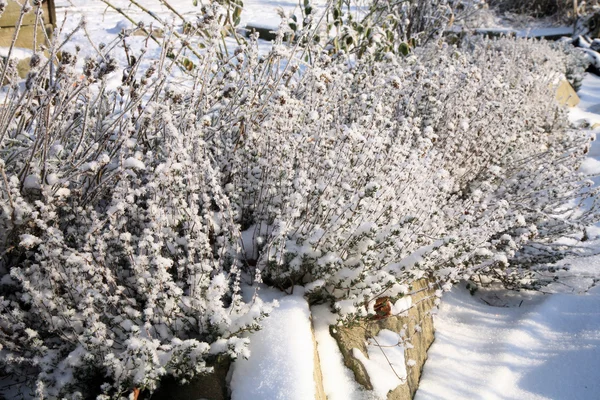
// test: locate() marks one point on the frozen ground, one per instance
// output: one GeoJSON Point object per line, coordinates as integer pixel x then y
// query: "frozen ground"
{"type": "Point", "coordinates": [524, 347]}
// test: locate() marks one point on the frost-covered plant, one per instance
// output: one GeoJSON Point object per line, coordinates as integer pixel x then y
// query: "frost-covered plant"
{"type": "Point", "coordinates": [575, 64]}
{"type": "Point", "coordinates": [365, 176]}
{"type": "Point", "coordinates": [562, 9]}
{"type": "Point", "coordinates": [119, 251]}
{"type": "Point", "coordinates": [133, 209]}
{"type": "Point", "coordinates": [396, 26]}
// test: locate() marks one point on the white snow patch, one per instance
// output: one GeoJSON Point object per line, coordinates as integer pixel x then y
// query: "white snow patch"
{"type": "Point", "coordinates": [402, 305]}
{"type": "Point", "coordinates": [385, 364]}
{"type": "Point", "coordinates": [281, 363]}
{"type": "Point", "coordinates": [28, 241]}
{"type": "Point", "coordinates": [133, 163]}
{"type": "Point", "coordinates": [590, 166]}
{"type": "Point", "coordinates": [589, 107]}
{"type": "Point", "coordinates": [63, 193]}
{"type": "Point", "coordinates": [543, 347]}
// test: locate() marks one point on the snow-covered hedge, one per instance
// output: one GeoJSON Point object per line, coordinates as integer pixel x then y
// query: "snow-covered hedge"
{"type": "Point", "coordinates": [131, 214]}
{"type": "Point", "coordinates": [119, 260]}
{"type": "Point", "coordinates": [365, 176]}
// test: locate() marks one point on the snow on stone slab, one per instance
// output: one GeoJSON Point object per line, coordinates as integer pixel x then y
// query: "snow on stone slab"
{"type": "Point", "coordinates": [338, 380]}
{"type": "Point", "coordinates": [401, 306]}
{"type": "Point", "coordinates": [547, 31]}
{"type": "Point", "coordinates": [385, 364]}
{"type": "Point", "coordinates": [281, 363]}
{"type": "Point", "coordinates": [548, 348]}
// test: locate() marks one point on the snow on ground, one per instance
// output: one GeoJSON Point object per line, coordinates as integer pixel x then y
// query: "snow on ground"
{"type": "Point", "coordinates": [582, 273]}
{"type": "Point", "coordinates": [338, 380]}
{"type": "Point", "coordinates": [281, 363]}
{"type": "Point", "coordinates": [589, 107]}
{"type": "Point", "coordinates": [103, 19]}
{"type": "Point", "coordinates": [546, 348]}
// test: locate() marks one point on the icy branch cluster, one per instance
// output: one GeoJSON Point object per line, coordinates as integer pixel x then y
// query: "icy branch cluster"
{"type": "Point", "coordinates": [365, 176]}
{"type": "Point", "coordinates": [119, 248]}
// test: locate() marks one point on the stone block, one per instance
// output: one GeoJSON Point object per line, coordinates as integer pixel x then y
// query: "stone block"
{"type": "Point", "coordinates": [566, 95]}
{"type": "Point", "coordinates": [348, 338]}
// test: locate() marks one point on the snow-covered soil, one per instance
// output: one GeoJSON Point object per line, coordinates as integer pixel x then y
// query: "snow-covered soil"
{"type": "Point", "coordinates": [522, 346]}
{"type": "Point", "coordinates": [589, 107]}
{"type": "Point", "coordinates": [282, 358]}
{"type": "Point", "coordinates": [101, 17]}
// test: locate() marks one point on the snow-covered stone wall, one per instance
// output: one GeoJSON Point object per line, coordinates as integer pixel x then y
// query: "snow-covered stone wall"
{"type": "Point", "coordinates": [415, 333]}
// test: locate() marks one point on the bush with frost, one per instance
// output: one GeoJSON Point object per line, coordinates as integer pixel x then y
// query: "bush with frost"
{"type": "Point", "coordinates": [133, 210]}
{"type": "Point", "coordinates": [367, 175]}
{"type": "Point", "coordinates": [397, 26]}
{"type": "Point", "coordinates": [119, 251]}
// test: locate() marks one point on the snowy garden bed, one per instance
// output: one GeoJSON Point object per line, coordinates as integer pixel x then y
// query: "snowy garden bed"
{"type": "Point", "coordinates": [180, 198]}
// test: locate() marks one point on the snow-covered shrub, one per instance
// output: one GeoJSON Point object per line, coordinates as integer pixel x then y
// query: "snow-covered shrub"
{"type": "Point", "coordinates": [365, 176]}
{"type": "Point", "coordinates": [392, 26]}
{"type": "Point", "coordinates": [119, 251]}
{"type": "Point", "coordinates": [133, 211]}
{"type": "Point", "coordinates": [562, 9]}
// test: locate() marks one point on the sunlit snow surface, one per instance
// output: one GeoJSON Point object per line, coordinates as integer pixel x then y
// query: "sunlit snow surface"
{"type": "Point", "coordinates": [589, 107]}
{"type": "Point", "coordinates": [281, 362]}
{"type": "Point", "coordinates": [546, 348]}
